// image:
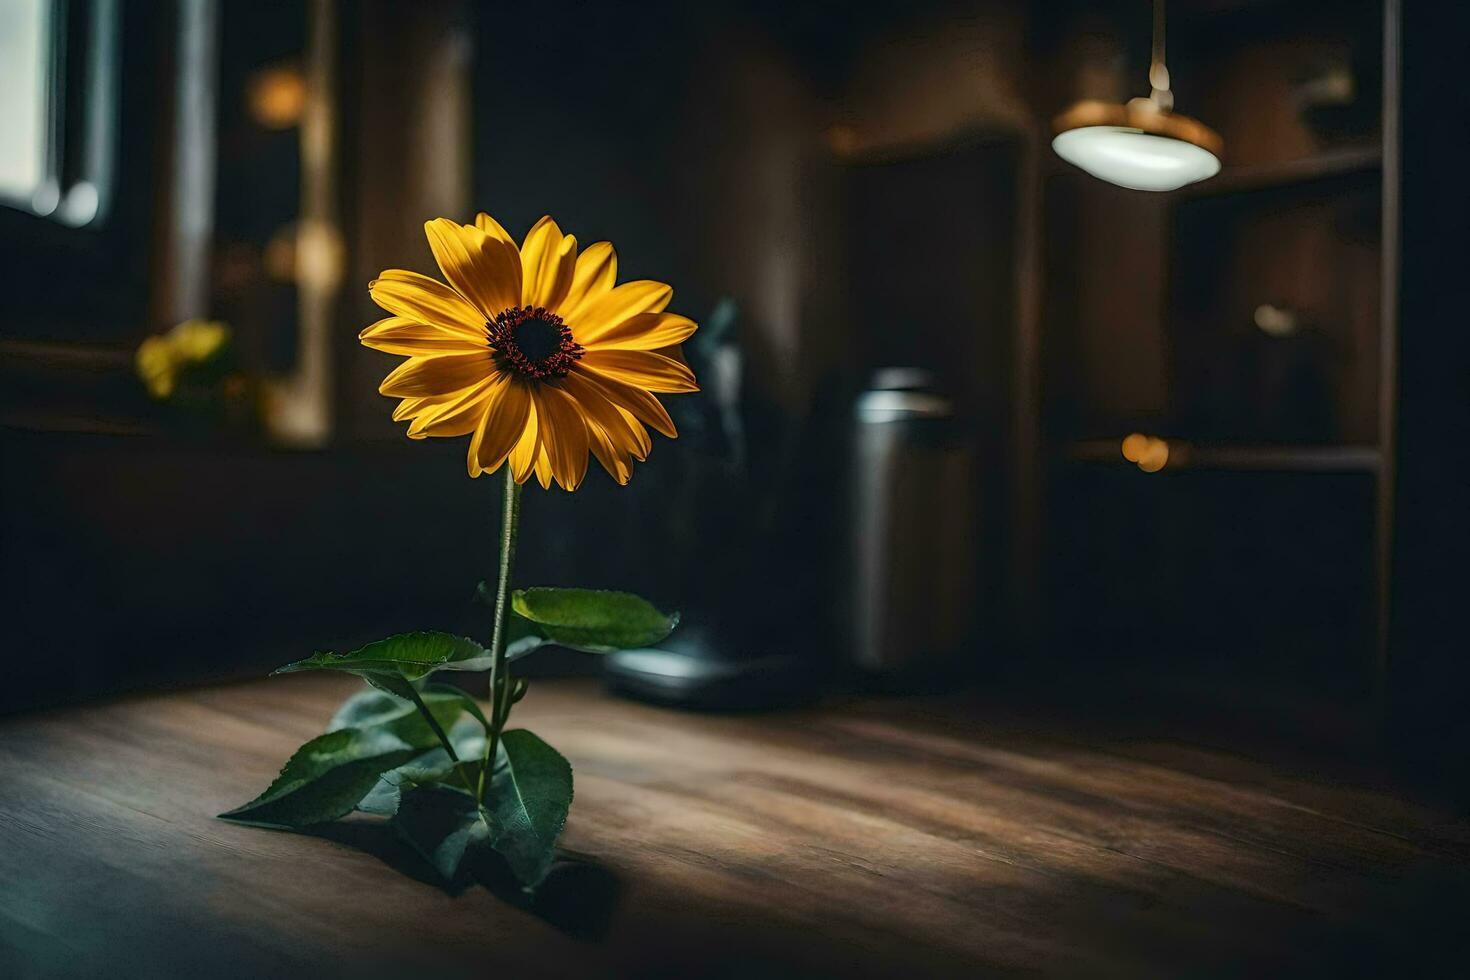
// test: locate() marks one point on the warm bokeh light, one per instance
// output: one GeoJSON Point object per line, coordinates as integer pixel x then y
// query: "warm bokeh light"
{"type": "Point", "coordinates": [308, 252]}
{"type": "Point", "coordinates": [1155, 456]}
{"type": "Point", "coordinates": [277, 96]}
{"type": "Point", "coordinates": [842, 139]}
{"type": "Point", "coordinates": [1149, 453]}
{"type": "Point", "coordinates": [1134, 445]}
{"type": "Point", "coordinates": [279, 256]}
{"type": "Point", "coordinates": [320, 254]}
{"type": "Point", "coordinates": [1275, 321]}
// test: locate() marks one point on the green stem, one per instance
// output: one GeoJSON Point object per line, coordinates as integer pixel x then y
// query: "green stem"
{"type": "Point", "coordinates": [418, 702]}
{"type": "Point", "coordinates": [510, 522]}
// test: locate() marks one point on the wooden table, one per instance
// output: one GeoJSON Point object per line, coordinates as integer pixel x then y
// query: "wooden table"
{"type": "Point", "coordinates": [858, 838]}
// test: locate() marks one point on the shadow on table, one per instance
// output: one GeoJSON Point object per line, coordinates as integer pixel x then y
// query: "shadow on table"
{"type": "Point", "coordinates": [578, 896]}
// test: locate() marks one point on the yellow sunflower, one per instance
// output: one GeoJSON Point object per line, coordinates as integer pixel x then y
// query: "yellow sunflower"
{"type": "Point", "coordinates": [532, 352]}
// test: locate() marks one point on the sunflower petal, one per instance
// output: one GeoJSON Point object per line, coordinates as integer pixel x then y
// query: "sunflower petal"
{"type": "Point", "coordinates": [454, 415]}
{"type": "Point", "coordinates": [493, 228]}
{"type": "Point", "coordinates": [523, 456]}
{"type": "Point", "coordinates": [481, 268]}
{"type": "Point", "coordinates": [605, 418]}
{"type": "Point", "coordinates": [633, 399]}
{"type": "Point", "coordinates": [472, 458]}
{"type": "Point", "coordinates": [415, 297]}
{"type": "Point", "coordinates": [609, 430]}
{"type": "Point", "coordinates": [618, 305]}
{"type": "Point", "coordinates": [642, 441]}
{"type": "Point", "coordinates": [616, 461]}
{"type": "Point", "coordinates": [543, 467]}
{"type": "Point", "coordinates": [440, 374]}
{"type": "Point", "coordinates": [548, 261]}
{"type": "Point", "coordinates": [508, 406]}
{"type": "Point", "coordinates": [410, 407]}
{"type": "Point", "coordinates": [596, 273]}
{"type": "Point", "coordinates": [646, 331]}
{"type": "Point", "coordinates": [397, 335]}
{"type": "Point", "coordinates": [507, 426]}
{"type": "Point", "coordinates": [565, 436]}
{"type": "Point", "coordinates": [642, 368]}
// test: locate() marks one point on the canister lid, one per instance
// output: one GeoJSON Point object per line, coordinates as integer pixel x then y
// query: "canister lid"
{"type": "Point", "coordinates": [902, 379]}
{"type": "Point", "coordinates": [900, 393]}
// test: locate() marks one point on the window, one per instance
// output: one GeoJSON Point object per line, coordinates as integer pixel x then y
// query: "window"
{"type": "Point", "coordinates": [25, 44]}
{"type": "Point", "coordinates": [58, 84]}
{"type": "Point", "coordinates": [84, 101]}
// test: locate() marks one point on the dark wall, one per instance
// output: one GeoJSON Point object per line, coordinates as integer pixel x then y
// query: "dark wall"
{"type": "Point", "coordinates": [130, 562]}
{"type": "Point", "coordinates": [1429, 670]}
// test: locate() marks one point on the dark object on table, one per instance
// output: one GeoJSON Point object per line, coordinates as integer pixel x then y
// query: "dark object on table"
{"type": "Point", "coordinates": [913, 529]}
{"type": "Point", "coordinates": [703, 669]}
{"type": "Point", "coordinates": [745, 597]}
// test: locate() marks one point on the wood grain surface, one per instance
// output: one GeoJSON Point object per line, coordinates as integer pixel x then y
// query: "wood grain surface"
{"type": "Point", "coordinates": [857, 838]}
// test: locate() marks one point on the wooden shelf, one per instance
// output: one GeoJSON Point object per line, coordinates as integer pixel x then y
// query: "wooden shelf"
{"type": "Point", "coordinates": [1184, 455]}
{"type": "Point", "coordinates": [1336, 163]}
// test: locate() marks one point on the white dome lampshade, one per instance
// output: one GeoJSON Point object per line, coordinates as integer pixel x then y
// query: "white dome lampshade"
{"type": "Point", "coordinates": [1142, 145]}
{"type": "Point", "coordinates": [1138, 145]}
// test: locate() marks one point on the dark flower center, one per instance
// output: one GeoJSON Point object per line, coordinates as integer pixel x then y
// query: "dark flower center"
{"type": "Point", "coordinates": [533, 343]}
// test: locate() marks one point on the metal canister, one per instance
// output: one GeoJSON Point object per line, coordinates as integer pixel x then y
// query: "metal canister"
{"type": "Point", "coordinates": [913, 528]}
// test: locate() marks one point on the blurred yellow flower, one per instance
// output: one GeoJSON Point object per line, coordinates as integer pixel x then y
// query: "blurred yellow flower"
{"type": "Point", "coordinates": [531, 351]}
{"type": "Point", "coordinates": [198, 340]}
{"type": "Point", "coordinates": [155, 361]}
{"type": "Point", "coordinates": [161, 358]}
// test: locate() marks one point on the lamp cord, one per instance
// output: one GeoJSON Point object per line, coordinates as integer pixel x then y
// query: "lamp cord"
{"type": "Point", "coordinates": [1158, 72]}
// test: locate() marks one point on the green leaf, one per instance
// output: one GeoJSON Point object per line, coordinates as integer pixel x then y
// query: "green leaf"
{"type": "Point", "coordinates": [372, 737]}
{"type": "Point", "coordinates": [442, 824]}
{"type": "Point", "coordinates": [448, 692]}
{"type": "Point", "coordinates": [393, 684]}
{"type": "Point", "coordinates": [518, 631]}
{"type": "Point", "coordinates": [386, 795]}
{"type": "Point", "coordinates": [591, 620]}
{"type": "Point", "coordinates": [521, 637]}
{"type": "Point", "coordinates": [326, 778]}
{"type": "Point", "coordinates": [530, 793]}
{"type": "Point", "coordinates": [376, 709]}
{"type": "Point", "coordinates": [367, 708]}
{"type": "Point", "coordinates": [384, 798]}
{"type": "Point", "coordinates": [524, 812]}
{"type": "Point", "coordinates": [392, 664]}
{"type": "Point", "coordinates": [431, 768]}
